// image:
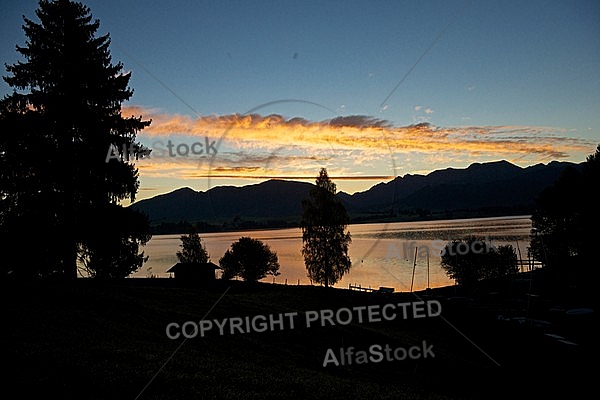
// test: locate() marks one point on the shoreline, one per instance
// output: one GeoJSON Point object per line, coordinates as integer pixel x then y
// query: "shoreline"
{"type": "Point", "coordinates": [369, 249]}
{"type": "Point", "coordinates": [168, 227]}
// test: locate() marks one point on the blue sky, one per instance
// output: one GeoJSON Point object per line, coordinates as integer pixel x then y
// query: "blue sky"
{"type": "Point", "coordinates": [507, 80]}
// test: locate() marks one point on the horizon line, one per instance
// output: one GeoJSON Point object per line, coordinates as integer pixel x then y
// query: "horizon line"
{"type": "Point", "coordinates": [346, 178]}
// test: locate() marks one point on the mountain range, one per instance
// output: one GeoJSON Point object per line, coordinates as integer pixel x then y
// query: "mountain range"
{"type": "Point", "coordinates": [482, 189]}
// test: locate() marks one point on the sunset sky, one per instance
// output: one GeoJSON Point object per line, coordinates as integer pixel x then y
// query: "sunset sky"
{"type": "Point", "coordinates": [370, 90]}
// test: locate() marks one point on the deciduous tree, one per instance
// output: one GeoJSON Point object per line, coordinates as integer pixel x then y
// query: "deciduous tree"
{"type": "Point", "coordinates": [563, 227]}
{"type": "Point", "coordinates": [324, 236]}
{"type": "Point", "coordinates": [249, 259]}
{"type": "Point", "coordinates": [472, 259]}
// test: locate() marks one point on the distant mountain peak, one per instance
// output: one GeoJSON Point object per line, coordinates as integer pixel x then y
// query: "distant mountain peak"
{"type": "Point", "coordinates": [497, 185]}
{"type": "Point", "coordinates": [494, 164]}
{"type": "Point", "coordinates": [184, 190]}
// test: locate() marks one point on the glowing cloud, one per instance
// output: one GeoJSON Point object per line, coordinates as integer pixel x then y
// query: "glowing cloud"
{"type": "Point", "coordinates": [261, 146]}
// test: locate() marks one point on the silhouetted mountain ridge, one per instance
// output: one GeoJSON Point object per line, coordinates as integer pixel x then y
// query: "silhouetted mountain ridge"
{"type": "Point", "coordinates": [499, 187]}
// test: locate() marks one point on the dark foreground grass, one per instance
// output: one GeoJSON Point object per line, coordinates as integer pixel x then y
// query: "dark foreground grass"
{"type": "Point", "coordinates": [107, 340]}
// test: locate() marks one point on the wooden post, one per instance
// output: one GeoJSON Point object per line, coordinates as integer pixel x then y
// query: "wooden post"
{"type": "Point", "coordinates": [413, 273]}
{"type": "Point", "coordinates": [428, 270]}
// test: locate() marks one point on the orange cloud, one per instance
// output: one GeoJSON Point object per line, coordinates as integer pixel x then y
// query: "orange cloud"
{"type": "Point", "coordinates": [272, 145]}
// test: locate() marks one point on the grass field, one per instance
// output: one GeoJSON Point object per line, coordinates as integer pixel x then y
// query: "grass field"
{"type": "Point", "coordinates": [107, 340]}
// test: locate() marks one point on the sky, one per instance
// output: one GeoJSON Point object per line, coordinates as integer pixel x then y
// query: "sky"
{"type": "Point", "coordinates": [370, 90]}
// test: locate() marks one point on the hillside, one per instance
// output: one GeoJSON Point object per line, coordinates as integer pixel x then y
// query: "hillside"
{"type": "Point", "coordinates": [488, 189]}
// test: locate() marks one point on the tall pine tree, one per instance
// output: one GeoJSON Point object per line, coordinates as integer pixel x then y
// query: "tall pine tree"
{"type": "Point", "coordinates": [55, 131]}
{"type": "Point", "coordinates": [324, 236]}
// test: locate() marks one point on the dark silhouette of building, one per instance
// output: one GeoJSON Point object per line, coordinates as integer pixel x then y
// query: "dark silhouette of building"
{"type": "Point", "coordinates": [194, 272]}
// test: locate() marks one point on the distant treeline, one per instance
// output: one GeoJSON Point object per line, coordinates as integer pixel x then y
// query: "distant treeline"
{"type": "Point", "coordinates": [181, 227]}
{"type": "Point", "coordinates": [398, 215]}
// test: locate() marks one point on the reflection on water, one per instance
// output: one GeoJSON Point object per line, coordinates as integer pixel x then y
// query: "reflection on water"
{"type": "Point", "coordinates": [382, 254]}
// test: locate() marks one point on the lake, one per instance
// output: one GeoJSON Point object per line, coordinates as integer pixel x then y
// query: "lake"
{"type": "Point", "coordinates": [382, 254]}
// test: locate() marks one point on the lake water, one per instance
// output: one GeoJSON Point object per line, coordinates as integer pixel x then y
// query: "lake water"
{"type": "Point", "coordinates": [381, 254]}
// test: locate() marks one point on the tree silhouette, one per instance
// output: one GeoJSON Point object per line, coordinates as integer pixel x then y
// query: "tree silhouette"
{"type": "Point", "coordinates": [192, 250]}
{"type": "Point", "coordinates": [56, 128]}
{"type": "Point", "coordinates": [470, 260]}
{"type": "Point", "coordinates": [563, 226]}
{"type": "Point", "coordinates": [114, 252]}
{"type": "Point", "coordinates": [249, 259]}
{"type": "Point", "coordinates": [324, 236]}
